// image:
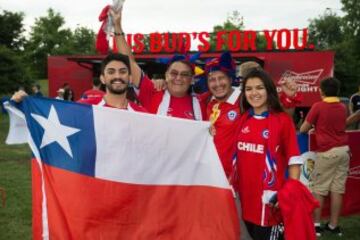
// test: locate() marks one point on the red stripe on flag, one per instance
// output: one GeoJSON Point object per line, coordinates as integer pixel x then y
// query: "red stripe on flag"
{"type": "Point", "coordinates": [82, 207]}
{"type": "Point", "coordinates": [36, 200]}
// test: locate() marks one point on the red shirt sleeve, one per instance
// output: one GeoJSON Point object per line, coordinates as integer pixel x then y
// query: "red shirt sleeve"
{"type": "Point", "coordinates": [290, 102]}
{"type": "Point", "coordinates": [146, 92]}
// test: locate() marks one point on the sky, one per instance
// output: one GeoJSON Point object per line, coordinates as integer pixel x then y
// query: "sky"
{"type": "Point", "coordinates": [146, 16]}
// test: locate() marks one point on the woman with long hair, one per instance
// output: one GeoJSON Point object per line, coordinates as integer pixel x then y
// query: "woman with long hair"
{"type": "Point", "coordinates": [266, 150]}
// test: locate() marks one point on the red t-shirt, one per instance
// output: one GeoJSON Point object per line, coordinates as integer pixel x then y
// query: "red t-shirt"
{"type": "Point", "coordinates": [150, 98]}
{"type": "Point", "coordinates": [329, 120]}
{"type": "Point", "coordinates": [225, 125]}
{"type": "Point", "coordinates": [101, 102]}
{"type": "Point", "coordinates": [92, 93]}
{"type": "Point", "coordinates": [265, 147]}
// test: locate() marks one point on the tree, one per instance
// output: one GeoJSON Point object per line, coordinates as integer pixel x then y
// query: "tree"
{"type": "Point", "coordinates": [233, 22]}
{"type": "Point", "coordinates": [13, 73]}
{"type": "Point", "coordinates": [83, 41]}
{"type": "Point", "coordinates": [47, 36]}
{"type": "Point", "coordinates": [326, 31]}
{"type": "Point", "coordinates": [331, 32]}
{"type": "Point", "coordinates": [11, 30]}
{"type": "Point", "coordinates": [352, 28]}
{"type": "Point", "coordinates": [80, 41]}
{"type": "Point", "coordinates": [352, 16]}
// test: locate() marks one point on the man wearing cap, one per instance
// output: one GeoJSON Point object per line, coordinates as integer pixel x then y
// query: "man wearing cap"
{"type": "Point", "coordinates": [222, 107]}
{"type": "Point", "coordinates": [176, 100]}
{"type": "Point", "coordinates": [223, 111]}
{"type": "Point", "coordinates": [60, 94]}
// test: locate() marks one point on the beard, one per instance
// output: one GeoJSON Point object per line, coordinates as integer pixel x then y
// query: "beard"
{"type": "Point", "coordinates": [117, 91]}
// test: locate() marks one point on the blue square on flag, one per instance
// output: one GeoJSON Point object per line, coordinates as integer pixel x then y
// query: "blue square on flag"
{"type": "Point", "coordinates": [63, 132]}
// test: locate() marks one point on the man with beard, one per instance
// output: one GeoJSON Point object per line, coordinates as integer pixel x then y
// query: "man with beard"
{"type": "Point", "coordinates": [115, 75]}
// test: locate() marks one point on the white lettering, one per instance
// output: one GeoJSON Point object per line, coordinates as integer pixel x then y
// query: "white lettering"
{"type": "Point", "coordinates": [251, 147]}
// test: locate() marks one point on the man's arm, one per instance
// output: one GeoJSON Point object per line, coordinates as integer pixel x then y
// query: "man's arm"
{"type": "Point", "coordinates": [353, 118]}
{"type": "Point", "coordinates": [305, 127]}
{"type": "Point", "coordinates": [351, 105]}
{"type": "Point", "coordinates": [294, 171]}
{"type": "Point", "coordinates": [124, 48]}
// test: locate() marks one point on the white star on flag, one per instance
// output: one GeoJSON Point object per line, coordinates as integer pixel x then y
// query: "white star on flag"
{"type": "Point", "coordinates": [54, 130]}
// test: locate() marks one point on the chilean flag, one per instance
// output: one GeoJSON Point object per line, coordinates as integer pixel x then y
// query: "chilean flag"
{"type": "Point", "coordinates": [104, 173]}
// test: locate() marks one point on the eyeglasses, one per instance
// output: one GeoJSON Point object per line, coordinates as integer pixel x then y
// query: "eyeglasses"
{"type": "Point", "coordinates": [184, 75]}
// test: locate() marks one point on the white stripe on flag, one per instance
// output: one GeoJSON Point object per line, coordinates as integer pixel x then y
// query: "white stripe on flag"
{"type": "Point", "coordinates": [18, 133]}
{"type": "Point", "coordinates": [148, 147]}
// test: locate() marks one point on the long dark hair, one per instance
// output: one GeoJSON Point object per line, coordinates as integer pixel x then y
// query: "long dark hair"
{"type": "Point", "coordinates": [273, 101]}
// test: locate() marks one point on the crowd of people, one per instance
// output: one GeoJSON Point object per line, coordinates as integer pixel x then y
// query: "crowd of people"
{"type": "Point", "coordinates": [252, 128]}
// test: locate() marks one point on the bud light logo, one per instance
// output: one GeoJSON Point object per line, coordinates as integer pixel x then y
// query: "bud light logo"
{"type": "Point", "coordinates": [310, 77]}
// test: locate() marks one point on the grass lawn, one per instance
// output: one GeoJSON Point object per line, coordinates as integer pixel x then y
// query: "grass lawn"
{"type": "Point", "coordinates": [15, 217]}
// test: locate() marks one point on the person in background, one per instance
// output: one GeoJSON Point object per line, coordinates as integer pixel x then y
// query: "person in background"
{"type": "Point", "coordinates": [332, 156]}
{"type": "Point", "coordinates": [60, 94]}
{"type": "Point", "coordinates": [354, 106]}
{"type": "Point", "coordinates": [354, 103]}
{"type": "Point", "coordinates": [246, 67]}
{"type": "Point", "coordinates": [68, 92]}
{"type": "Point", "coordinates": [266, 149]}
{"type": "Point", "coordinates": [36, 90]}
{"type": "Point", "coordinates": [96, 91]}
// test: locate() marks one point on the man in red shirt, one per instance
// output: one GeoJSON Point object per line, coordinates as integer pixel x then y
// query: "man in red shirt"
{"type": "Point", "coordinates": [332, 162]}
{"type": "Point", "coordinates": [222, 107]}
{"type": "Point", "coordinates": [175, 101]}
{"type": "Point", "coordinates": [96, 90]}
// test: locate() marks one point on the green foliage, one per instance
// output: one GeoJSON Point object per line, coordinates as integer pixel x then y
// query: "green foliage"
{"type": "Point", "coordinates": [326, 31]}
{"type": "Point", "coordinates": [352, 17]}
{"type": "Point", "coordinates": [11, 29]}
{"type": "Point", "coordinates": [13, 73]}
{"type": "Point", "coordinates": [83, 41]}
{"type": "Point", "coordinates": [233, 22]}
{"type": "Point", "coordinates": [15, 178]}
{"type": "Point", "coordinates": [261, 43]}
{"type": "Point", "coordinates": [332, 32]}
{"type": "Point", "coordinates": [49, 37]}
{"type": "Point", "coordinates": [46, 36]}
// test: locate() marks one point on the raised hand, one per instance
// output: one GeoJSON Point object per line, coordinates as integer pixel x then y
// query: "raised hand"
{"type": "Point", "coordinates": [19, 96]}
{"type": "Point", "coordinates": [289, 87]}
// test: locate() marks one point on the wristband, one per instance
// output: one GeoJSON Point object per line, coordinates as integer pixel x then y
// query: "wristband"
{"type": "Point", "coordinates": [119, 33]}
